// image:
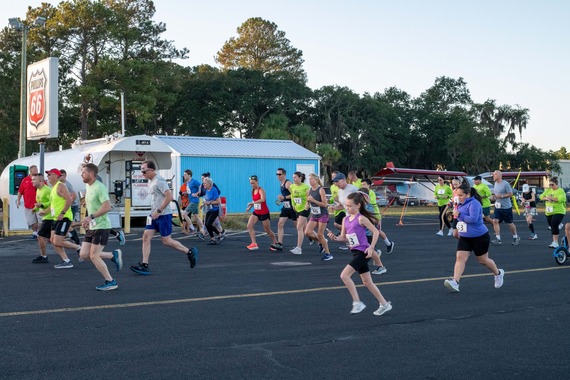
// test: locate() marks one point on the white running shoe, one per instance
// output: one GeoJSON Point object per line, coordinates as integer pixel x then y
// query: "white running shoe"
{"type": "Point", "coordinates": [380, 270]}
{"type": "Point", "coordinates": [383, 309]}
{"type": "Point", "coordinates": [499, 279]}
{"type": "Point", "coordinates": [439, 233]}
{"type": "Point", "coordinates": [296, 251]}
{"type": "Point", "coordinates": [450, 233]}
{"type": "Point", "coordinates": [452, 285]}
{"type": "Point", "coordinates": [357, 307]}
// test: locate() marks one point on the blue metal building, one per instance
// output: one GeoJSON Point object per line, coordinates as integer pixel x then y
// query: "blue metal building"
{"type": "Point", "coordinates": [231, 162]}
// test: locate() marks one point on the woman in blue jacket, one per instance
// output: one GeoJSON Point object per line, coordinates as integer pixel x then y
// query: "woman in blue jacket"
{"type": "Point", "coordinates": [473, 237]}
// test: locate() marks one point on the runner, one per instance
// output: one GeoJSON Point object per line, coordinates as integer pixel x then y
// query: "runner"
{"type": "Point", "coordinates": [287, 211]}
{"type": "Point", "coordinates": [344, 189]}
{"type": "Point", "coordinates": [299, 190]}
{"type": "Point", "coordinates": [160, 219]}
{"type": "Point", "coordinates": [353, 180]}
{"type": "Point", "coordinates": [42, 208]}
{"type": "Point", "coordinates": [72, 234]}
{"type": "Point", "coordinates": [353, 231]}
{"type": "Point", "coordinates": [442, 192]}
{"type": "Point", "coordinates": [502, 194]}
{"type": "Point", "coordinates": [373, 208]}
{"type": "Point", "coordinates": [473, 236]}
{"type": "Point", "coordinates": [97, 226]}
{"type": "Point", "coordinates": [528, 201]}
{"type": "Point", "coordinates": [454, 203]}
{"type": "Point", "coordinates": [28, 191]}
{"type": "Point", "coordinates": [189, 204]}
{"type": "Point", "coordinates": [485, 194]}
{"type": "Point", "coordinates": [555, 209]}
{"type": "Point", "coordinates": [319, 217]}
{"type": "Point", "coordinates": [260, 214]}
{"type": "Point", "coordinates": [60, 202]}
{"type": "Point", "coordinates": [211, 208]}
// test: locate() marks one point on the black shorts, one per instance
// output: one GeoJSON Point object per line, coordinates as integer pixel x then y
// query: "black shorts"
{"type": "Point", "coordinates": [359, 262]}
{"type": "Point", "coordinates": [504, 215]}
{"type": "Point", "coordinates": [305, 213]}
{"type": "Point", "coordinates": [454, 224]}
{"type": "Point", "coordinates": [263, 217]}
{"type": "Point", "coordinates": [45, 229]}
{"type": "Point", "coordinates": [478, 245]}
{"type": "Point", "coordinates": [61, 226]}
{"type": "Point", "coordinates": [288, 213]}
{"type": "Point", "coordinates": [338, 219]}
{"type": "Point", "coordinates": [97, 237]}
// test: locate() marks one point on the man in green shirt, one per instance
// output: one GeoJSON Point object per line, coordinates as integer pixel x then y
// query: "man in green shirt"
{"type": "Point", "coordinates": [98, 226]}
{"type": "Point", "coordinates": [42, 209]}
{"type": "Point", "coordinates": [442, 193]}
{"type": "Point", "coordinates": [485, 193]}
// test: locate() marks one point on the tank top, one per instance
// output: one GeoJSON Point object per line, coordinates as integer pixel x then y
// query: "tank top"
{"type": "Point", "coordinates": [259, 208]}
{"type": "Point", "coordinates": [58, 203]}
{"type": "Point", "coordinates": [286, 203]}
{"type": "Point", "coordinates": [355, 233]}
{"type": "Point", "coordinates": [317, 211]}
{"type": "Point", "coordinates": [527, 196]}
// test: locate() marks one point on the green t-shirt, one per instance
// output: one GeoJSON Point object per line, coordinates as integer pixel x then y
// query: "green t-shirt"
{"type": "Point", "coordinates": [43, 196]}
{"type": "Point", "coordinates": [558, 207]}
{"type": "Point", "coordinates": [95, 195]}
{"type": "Point", "coordinates": [485, 193]}
{"type": "Point", "coordinates": [299, 196]}
{"type": "Point", "coordinates": [376, 209]}
{"type": "Point", "coordinates": [334, 195]}
{"type": "Point", "coordinates": [443, 194]}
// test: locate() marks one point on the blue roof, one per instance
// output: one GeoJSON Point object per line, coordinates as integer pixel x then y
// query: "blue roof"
{"type": "Point", "coordinates": [231, 147]}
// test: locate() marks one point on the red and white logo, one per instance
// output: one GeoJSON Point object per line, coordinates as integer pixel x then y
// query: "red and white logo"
{"type": "Point", "coordinates": [36, 99]}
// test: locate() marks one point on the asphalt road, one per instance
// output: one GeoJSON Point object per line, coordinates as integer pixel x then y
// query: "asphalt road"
{"type": "Point", "coordinates": [268, 315]}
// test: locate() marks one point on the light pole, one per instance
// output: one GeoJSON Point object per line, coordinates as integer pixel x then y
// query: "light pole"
{"type": "Point", "coordinates": [19, 25]}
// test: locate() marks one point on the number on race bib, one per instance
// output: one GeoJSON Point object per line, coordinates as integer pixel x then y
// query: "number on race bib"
{"type": "Point", "coordinates": [315, 210]}
{"type": "Point", "coordinates": [461, 227]}
{"type": "Point", "coordinates": [497, 204]}
{"type": "Point", "coordinates": [257, 206]}
{"type": "Point", "coordinates": [352, 240]}
{"type": "Point", "coordinates": [92, 224]}
{"type": "Point", "coordinates": [149, 220]}
{"type": "Point", "coordinates": [298, 201]}
{"type": "Point", "coordinates": [549, 209]}
{"type": "Point", "coordinates": [286, 204]}
{"type": "Point", "coordinates": [441, 191]}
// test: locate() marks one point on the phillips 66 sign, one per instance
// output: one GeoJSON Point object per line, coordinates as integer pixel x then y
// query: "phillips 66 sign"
{"type": "Point", "coordinates": [42, 88]}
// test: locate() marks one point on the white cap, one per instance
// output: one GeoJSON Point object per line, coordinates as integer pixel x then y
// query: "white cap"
{"type": "Point", "coordinates": [526, 188]}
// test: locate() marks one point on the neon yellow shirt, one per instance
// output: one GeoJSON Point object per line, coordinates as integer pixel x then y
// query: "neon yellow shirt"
{"type": "Point", "coordinates": [299, 196]}
{"type": "Point", "coordinates": [485, 193]}
{"type": "Point", "coordinates": [443, 194]}
{"type": "Point", "coordinates": [558, 207]}
{"type": "Point", "coordinates": [58, 203]}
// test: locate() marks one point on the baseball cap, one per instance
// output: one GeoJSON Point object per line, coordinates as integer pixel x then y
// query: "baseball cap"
{"type": "Point", "coordinates": [54, 171]}
{"type": "Point", "coordinates": [338, 177]}
{"type": "Point", "coordinates": [526, 188]}
{"type": "Point", "coordinates": [477, 178]}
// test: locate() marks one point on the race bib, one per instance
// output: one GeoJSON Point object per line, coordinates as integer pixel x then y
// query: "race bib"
{"type": "Point", "coordinates": [461, 227]}
{"type": "Point", "coordinates": [456, 200]}
{"type": "Point", "coordinates": [549, 209]}
{"type": "Point", "coordinates": [286, 204]}
{"type": "Point", "coordinates": [441, 192]}
{"type": "Point", "coordinates": [53, 212]}
{"type": "Point", "coordinates": [149, 220]}
{"type": "Point", "coordinates": [257, 206]}
{"type": "Point", "coordinates": [352, 240]}
{"type": "Point", "coordinates": [298, 201]}
{"type": "Point", "coordinates": [92, 224]}
{"type": "Point", "coordinates": [497, 204]}
{"type": "Point", "coordinates": [315, 210]}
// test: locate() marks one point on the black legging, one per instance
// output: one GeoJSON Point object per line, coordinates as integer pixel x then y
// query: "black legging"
{"type": "Point", "coordinates": [442, 218]}
{"type": "Point", "coordinates": [210, 219]}
{"type": "Point", "coordinates": [554, 221]}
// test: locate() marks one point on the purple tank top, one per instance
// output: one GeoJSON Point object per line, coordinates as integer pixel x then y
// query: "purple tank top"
{"type": "Point", "coordinates": [355, 233]}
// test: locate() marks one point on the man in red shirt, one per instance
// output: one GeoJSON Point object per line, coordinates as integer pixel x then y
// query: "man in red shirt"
{"type": "Point", "coordinates": [28, 191]}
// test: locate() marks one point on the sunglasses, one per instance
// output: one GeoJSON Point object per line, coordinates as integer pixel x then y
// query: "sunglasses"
{"type": "Point", "coordinates": [147, 170]}
{"type": "Point", "coordinates": [253, 177]}
{"type": "Point", "coordinates": [279, 174]}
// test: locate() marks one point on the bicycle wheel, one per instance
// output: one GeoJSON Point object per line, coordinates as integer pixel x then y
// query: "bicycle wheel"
{"type": "Point", "coordinates": [560, 255]}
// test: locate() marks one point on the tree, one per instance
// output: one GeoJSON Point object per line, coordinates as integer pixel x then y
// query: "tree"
{"type": "Point", "coordinates": [262, 47]}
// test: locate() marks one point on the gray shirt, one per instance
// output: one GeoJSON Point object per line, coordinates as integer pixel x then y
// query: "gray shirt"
{"type": "Point", "coordinates": [343, 193]}
{"type": "Point", "coordinates": [157, 187]}
{"type": "Point", "coordinates": [500, 189]}
{"type": "Point", "coordinates": [71, 192]}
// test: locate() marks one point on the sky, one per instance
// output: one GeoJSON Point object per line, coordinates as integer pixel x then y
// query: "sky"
{"type": "Point", "coordinates": [513, 51]}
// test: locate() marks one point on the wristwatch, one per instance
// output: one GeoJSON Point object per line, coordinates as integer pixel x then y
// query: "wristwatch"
{"type": "Point", "coordinates": [92, 216]}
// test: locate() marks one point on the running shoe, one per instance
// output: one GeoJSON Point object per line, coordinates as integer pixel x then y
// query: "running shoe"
{"type": "Point", "coordinates": [200, 236]}
{"type": "Point", "coordinates": [193, 256]}
{"type": "Point", "coordinates": [390, 248]}
{"type": "Point", "coordinates": [533, 237]}
{"type": "Point", "coordinates": [343, 247]}
{"type": "Point", "coordinates": [327, 257]}
{"type": "Point", "coordinates": [496, 242]}
{"type": "Point", "coordinates": [296, 251]}
{"type": "Point", "coordinates": [222, 236]}
{"type": "Point", "coordinates": [499, 279]}
{"type": "Point", "coordinates": [108, 285]}
{"type": "Point", "coordinates": [276, 247]}
{"type": "Point", "coordinates": [121, 238]}
{"type": "Point", "coordinates": [516, 240]}
{"type": "Point", "coordinates": [553, 245]}
{"type": "Point", "coordinates": [212, 242]}
{"type": "Point", "coordinates": [140, 269]}
{"type": "Point", "coordinates": [379, 270]}
{"type": "Point", "coordinates": [64, 265]}
{"type": "Point", "coordinates": [253, 247]}
{"type": "Point", "coordinates": [452, 285]}
{"type": "Point", "coordinates": [450, 233]}
{"type": "Point", "coordinates": [357, 307]}
{"type": "Point", "coordinates": [383, 309]}
{"type": "Point", "coordinates": [379, 252]}
{"type": "Point", "coordinates": [311, 241]}
{"type": "Point", "coordinates": [40, 260]}
{"type": "Point", "coordinates": [439, 233]}
{"type": "Point", "coordinates": [321, 248]}
{"type": "Point", "coordinates": [78, 250]}
{"type": "Point", "coordinates": [118, 259]}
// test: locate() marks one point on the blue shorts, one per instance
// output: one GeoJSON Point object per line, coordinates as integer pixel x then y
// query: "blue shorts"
{"type": "Point", "coordinates": [162, 224]}
{"type": "Point", "coordinates": [487, 211]}
{"type": "Point", "coordinates": [504, 215]}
